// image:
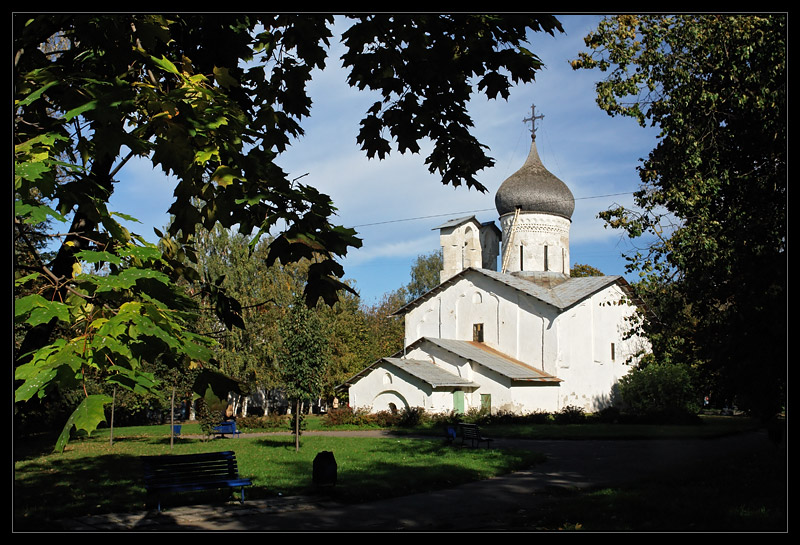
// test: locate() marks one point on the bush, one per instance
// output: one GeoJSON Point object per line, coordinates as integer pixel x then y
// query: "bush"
{"type": "Point", "coordinates": [445, 419]}
{"type": "Point", "coordinates": [207, 418]}
{"type": "Point", "coordinates": [659, 393]}
{"type": "Point", "coordinates": [570, 415]}
{"type": "Point", "coordinates": [386, 419]}
{"type": "Point", "coordinates": [608, 415]}
{"type": "Point", "coordinates": [411, 416]}
{"type": "Point", "coordinates": [266, 422]}
{"type": "Point", "coordinates": [346, 416]}
{"type": "Point", "coordinates": [538, 417]}
{"type": "Point", "coordinates": [505, 417]}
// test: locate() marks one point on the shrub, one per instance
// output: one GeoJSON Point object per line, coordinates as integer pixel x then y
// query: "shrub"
{"type": "Point", "coordinates": [608, 415]}
{"type": "Point", "coordinates": [659, 393]}
{"type": "Point", "coordinates": [207, 418]}
{"type": "Point", "coordinates": [505, 417]}
{"type": "Point", "coordinates": [411, 416]}
{"type": "Point", "coordinates": [537, 417]}
{"type": "Point", "coordinates": [570, 414]}
{"type": "Point", "coordinates": [347, 416]}
{"type": "Point", "coordinates": [386, 419]}
{"type": "Point", "coordinates": [265, 422]}
{"type": "Point", "coordinates": [294, 425]}
{"type": "Point", "coordinates": [446, 419]}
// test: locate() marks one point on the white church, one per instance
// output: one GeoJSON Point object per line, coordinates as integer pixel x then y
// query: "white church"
{"type": "Point", "coordinates": [522, 339]}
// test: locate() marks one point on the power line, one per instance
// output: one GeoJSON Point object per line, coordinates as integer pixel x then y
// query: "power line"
{"type": "Point", "coordinates": [473, 211]}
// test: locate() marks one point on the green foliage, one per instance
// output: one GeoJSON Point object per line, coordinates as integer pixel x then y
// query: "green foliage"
{"type": "Point", "coordinates": [303, 352]}
{"type": "Point", "coordinates": [570, 414]}
{"type": "Point", "coordinates": [712, 206]}
{"type": "Point", "coordinates": [212, 101]}
{"type": "Point", "coordinates": [303, 355]}
{"type": "Point", "coordinates": [659, 393]}
{"type": "Point", "coordinates": [86, 417]}
{"type": "Point", "coordinates": [274, 422]}
{"type": "Point", "coordinates": [296, 423]}
{"type": "Point", "coordinates": [580, 270]}
{"type": "Point", "coordinates": [209, 410]}
{"type": "Point", "coordinates": [425, 98]}
{"type": "Point", "coordinates": [347, 416]}
{"type": "Point", "coordinates": [425, 275]}
{"type": "Point", "coordinates": [412, 416]}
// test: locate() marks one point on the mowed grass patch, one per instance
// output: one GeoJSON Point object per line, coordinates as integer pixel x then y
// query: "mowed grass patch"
{"type": "Point", "coordinates": [92, 476]}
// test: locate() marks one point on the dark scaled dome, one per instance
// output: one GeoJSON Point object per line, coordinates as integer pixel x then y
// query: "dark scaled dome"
{"type": "Point", "coordinates": [533, 188]}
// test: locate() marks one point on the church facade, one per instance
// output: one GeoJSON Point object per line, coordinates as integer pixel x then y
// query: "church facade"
{"type": "Point", "coordinates": [527, 337]}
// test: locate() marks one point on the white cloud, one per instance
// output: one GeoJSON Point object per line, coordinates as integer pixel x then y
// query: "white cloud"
{"type": "Point", "coordinates": [591, 152]}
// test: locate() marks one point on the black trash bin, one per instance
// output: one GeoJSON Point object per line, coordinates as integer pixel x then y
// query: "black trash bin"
{"type": "Point", "coordinates": [324, 471]}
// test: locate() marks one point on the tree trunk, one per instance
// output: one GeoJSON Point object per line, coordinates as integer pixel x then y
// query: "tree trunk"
{"type": "Point", "coordinates": [297, 426]}
{"type": "Point", "coordinates": [113, 403]}
{"type": "Point", "coordinates": [172, 419]}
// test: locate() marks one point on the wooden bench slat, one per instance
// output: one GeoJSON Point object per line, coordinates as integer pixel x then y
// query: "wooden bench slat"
{"type": "Point", "coordinates": [180, 473]}
{"type": "Point", "coordinates": [472, 433]}
{"type": "Point", "coordinates": [225, 428]}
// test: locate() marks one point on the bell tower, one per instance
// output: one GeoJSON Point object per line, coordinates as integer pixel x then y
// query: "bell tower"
{"type": "Point", "coordinates": [535, 209]}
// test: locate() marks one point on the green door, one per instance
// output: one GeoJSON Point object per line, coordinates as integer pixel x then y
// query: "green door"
{"type": "Point", "coordinates": [458, 401]}
{"type": "Point", "coordinates": [486, 403]}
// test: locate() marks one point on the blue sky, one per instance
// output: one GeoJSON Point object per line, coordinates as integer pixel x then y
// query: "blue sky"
{"type": "Point", "coordinates": [396, 203]}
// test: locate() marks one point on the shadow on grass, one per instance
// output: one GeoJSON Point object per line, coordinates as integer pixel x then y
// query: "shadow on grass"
{"type": "Point", "coordinates": [62, 488]}
{"type": "Point", "coordinates": [381, 470]}
{"type": "Point", "coordinates": [92, 479]}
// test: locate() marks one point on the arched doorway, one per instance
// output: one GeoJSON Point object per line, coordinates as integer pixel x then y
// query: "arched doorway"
{"type": "Point", "coordinates": [388, 400]}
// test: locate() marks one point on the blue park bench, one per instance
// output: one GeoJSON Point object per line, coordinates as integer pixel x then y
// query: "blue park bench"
{"type": "Point", "coordinates": [228, 427]}
{"type": "Point", "coordinates": [186, 472]}
{"type": "Point", "coordinates": [472, 433]}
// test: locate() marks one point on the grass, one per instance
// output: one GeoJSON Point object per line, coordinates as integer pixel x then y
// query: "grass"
{"type": "Point", "coordinates": [741, 493]}
{"type": "Point", "coordinates": [92, 476]}
{"type": "Point", "coordinates": [710, 426]}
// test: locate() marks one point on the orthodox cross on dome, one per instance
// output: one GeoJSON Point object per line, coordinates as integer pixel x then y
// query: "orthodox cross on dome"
{"type": "Point", "coordinates": [533, 119]}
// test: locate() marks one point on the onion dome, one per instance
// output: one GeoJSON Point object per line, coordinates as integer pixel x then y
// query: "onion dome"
{"type": "Point", "coordinates": [534, 189]}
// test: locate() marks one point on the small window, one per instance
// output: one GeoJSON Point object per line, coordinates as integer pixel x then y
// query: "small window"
{"type": "Point", "coordinates": [613, 352]}
{"type": "Point", "coordinates": [477, 333]}
{"type": "Point", "coordinates": [545, 259]}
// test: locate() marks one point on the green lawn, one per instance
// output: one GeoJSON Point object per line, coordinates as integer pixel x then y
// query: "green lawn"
{"type": "Point", "coordinates": [742, 493]}
{"type": "Point", "coordinates": [92, 476]}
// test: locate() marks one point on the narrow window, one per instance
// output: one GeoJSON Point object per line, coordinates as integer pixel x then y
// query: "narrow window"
{"type": "Point", "coordinates": [545, 258]}
{"type": "Point", "coordinates": [521, 266]}
{"type": "Point", "coordinates": [477, 332]}
{"type": "Point", "coordinates": [613, 352]}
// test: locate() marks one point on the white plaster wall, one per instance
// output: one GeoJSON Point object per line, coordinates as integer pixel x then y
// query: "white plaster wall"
{"type": "Point", "coordinates": [519, 398]}
{"type": "Point", "coordinates": [587, 368]}
{"type": "Point", "coordinates": [383, 384]}
{"type": "Point", "coordinates": [461, 249]}
{"type": "Point", "coordinates": [513, 324]}
{"type": "Point", "coordinates": [574, 346]}
{"type": "Point", "coordinates": [533, 232]}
